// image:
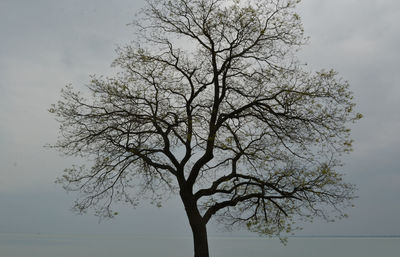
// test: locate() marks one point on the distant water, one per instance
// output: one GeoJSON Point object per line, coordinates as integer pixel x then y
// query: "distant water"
{"type": "Point", "coordinates": [30, 245]}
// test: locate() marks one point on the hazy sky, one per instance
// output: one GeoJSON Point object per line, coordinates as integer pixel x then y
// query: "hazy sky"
{"type": "Point", "coordinates": [46, 44]}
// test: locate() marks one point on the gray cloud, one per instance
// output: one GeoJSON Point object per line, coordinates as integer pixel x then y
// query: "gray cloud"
{"type": "Point", "coordinates": [47, 44]}
{"type": "Point", "coordinates": [360, 41]}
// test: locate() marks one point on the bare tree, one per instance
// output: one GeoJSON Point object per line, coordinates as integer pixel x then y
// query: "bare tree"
{"type": "Point", "coordinates": [211, 103]}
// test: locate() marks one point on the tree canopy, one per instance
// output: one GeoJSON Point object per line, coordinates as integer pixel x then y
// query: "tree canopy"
{"type": "Point", "coordinates": [210, 102]}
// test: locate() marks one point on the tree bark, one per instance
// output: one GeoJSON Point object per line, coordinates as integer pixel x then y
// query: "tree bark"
{"type": "Point", "coordinates": [198, 226]}
{"type": "Point", "coordinates": [200, 239]}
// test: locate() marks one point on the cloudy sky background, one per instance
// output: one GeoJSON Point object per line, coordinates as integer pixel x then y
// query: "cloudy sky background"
{"type": "Point", "coordinates": [47, 44]}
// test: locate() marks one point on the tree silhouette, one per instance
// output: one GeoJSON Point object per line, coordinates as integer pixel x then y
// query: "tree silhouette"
{"type": "Point", "coordinates": [210, 102]}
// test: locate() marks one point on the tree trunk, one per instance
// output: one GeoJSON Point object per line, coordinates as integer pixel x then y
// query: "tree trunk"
{"type": "Point", "coordinates": [200, 239]}
{"type": "Point", "coordinates": [199, 228]}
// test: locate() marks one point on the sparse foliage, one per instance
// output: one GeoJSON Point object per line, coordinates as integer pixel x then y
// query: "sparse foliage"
{"type": "Point", "coordinates": [211, 103]}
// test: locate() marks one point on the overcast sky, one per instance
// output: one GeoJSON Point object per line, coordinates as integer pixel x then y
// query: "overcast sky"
{"type": "Point", "coordinates": [46, 44]}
